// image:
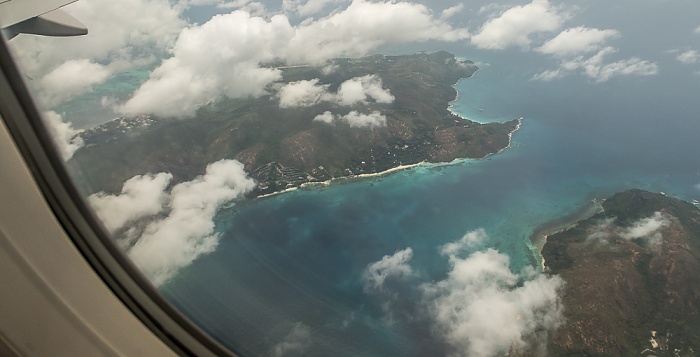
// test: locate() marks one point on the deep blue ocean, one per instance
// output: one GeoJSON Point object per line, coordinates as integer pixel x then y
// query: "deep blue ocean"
{"type": "Point", "coordinates": [297, 259]}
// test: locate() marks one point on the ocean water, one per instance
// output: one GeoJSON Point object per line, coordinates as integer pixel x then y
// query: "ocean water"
{"type": "Point", "coordinates": [290, 267]}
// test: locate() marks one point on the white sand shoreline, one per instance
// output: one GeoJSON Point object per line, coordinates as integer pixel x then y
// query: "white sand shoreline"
{"type": "Point", "coordinates": [539, 236]}
{"type": "Point", "coordinates": [449, 105]}
{"type": "Point", "coordinates": [311, 185]}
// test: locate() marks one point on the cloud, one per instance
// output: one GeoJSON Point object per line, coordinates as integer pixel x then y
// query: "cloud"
{"type": "Point", "coordinates": [306, 93]}
{"type": "Point", "coordinates": [481, 308]}
{"type": "Point", "coordinates": [515, 26]}
{"type": "Point", "coordinates": [360, 120]}
{"type": "Point", "coordinates": [492, 8]}
{"type": "Point", "coordinates": [122, 35]}
{"type": "Point", "coordinates": [254, 8]}
{"type": "Point", "coordinates": [355, 119]}
{"type": "Point", "coordinates": [390, 266]}
{"type": "Point", "coordinates": [296, 343]}
{"type": "Point", "coordinates": [360, 89]}
{"type": "Point", "coordinates": [468, 241]}
{"type": "Point", "coordinates": [647, 229]}
{"type": "Point", "coordinates": [327, 117]}
{"type": "Point", "coordinates": [364, 26]}
{"type": "Point", "coordinates": [577, 40]}
{"type": "Point", "coordinates": [595, 68]}
{"type": "Point", "coordinates": [181, 227]}
{"type": "Point", "coordinates": [697, 30]}
{"type": "Point", "coordinates": [603, 230]}
{"type": "Point", "coordinates": [451, 11]}
{"type": "Point", "coordinates": [224, 57]}
{"type": "Point", "coordinates": [689, 57]}
{"type": "Point", "coordinates": [141, 196]}
{"type": "Point", "coordinates": [549, 75]}
{"type": "Point", "coordinates": [71, 78]}
{"type": "Point", "coordinates": [307, 7]}
{"type": "Point", "coordinates": [217, 59]}
{"type": "Point", "coordinates": [484, 309]}
{"type": "Point", "coordinates": [63, 134]}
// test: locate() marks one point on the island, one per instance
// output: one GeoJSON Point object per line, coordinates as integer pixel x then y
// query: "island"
{"type": "Point", "coordinates": [632, 276]}
{"type": "Point", "coordinates": [284, 147]}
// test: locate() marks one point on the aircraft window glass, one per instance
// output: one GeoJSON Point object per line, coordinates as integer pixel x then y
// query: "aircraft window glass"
{"type": "Point", "coordinates": [402, 178]}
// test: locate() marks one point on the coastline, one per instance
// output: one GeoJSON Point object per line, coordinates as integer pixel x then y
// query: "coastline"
{"type": "Point", "coordinates": [311, 185]}
{"type": "Point", "coordinates": [539, 236]}
{"type": "Point", "coordinates": [449, 105]}
{"type": "Point", "coordinates": [510, 139]}
{"type": "Point", "coordinates": [335, 180]}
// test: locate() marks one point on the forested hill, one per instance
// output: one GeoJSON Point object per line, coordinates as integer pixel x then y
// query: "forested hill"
{"type": "Point", "coordinates": [632, 277]}
{"type": "Point", "coordinates": [283, 146]}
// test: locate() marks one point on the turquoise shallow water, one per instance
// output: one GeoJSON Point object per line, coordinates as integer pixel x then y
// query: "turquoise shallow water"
{"type": "Point", "coordinates": [297, 259]}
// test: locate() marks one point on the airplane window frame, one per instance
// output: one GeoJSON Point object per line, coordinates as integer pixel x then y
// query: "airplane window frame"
{"type": "Point", "coordinates": [23, 121]}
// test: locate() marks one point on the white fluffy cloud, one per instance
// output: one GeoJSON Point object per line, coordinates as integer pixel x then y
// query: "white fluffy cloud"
{"type": "Point", "coordinates": [484, 309]}
{"type": "Point", "coordinates": [296, 343]}
{"type": "Point", "coordinates": [219, 58]}
{"type": "Point", "coordinates": [223, 56]}
{"type": "Point", "coordinates": [601, 72]}
{"type": "Point", "coordinates": [306, 93]}
{"type": "Point", "coordinates": [355, 119]}
{"type": "Point", "coordinates": [71, 78]}
{"type": "Point", "coordinates": [577, 40]}
{"type": "Point", "coordinates": [63, 134]}
{"type": "Point", "coordinates": [327, 117]}
{"type": "Point", "coordinates": [515, 26]}
{"type": "Point", "coordinates": [451, 11]}
{"type": "Point", "coordinates": [360, 89]}
{"type": "Point", "coordinates": [364, 26]}
{"type": "Point", "coordinates": [481, 308]}
{"type": "Point", "coordinates": [689, 57]}
{"type": "Point", "coordinates": [181, 227]}
{"type": "Point", "coordinates": [647, 228]}
{"type": "Point", "coordinates": [187, 232]}
{"type": "Point", "coordinates": [141, 196]}
{"type": "Point", "coordinates": [361, 120]}
{"type": "Point", "coordinates": [390, 266]}
{"type": "Point", "coordinates": [122, 34]}
{"type": "Point", "coordinates": [595, 68]}
{"type": "Point", "coordinates": [468, 241]}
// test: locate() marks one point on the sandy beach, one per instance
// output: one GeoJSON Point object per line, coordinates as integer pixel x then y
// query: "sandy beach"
{"type": "Point", "coordinates": [538, 238]}
{"type": "Point", "coordinates": [311, 185]}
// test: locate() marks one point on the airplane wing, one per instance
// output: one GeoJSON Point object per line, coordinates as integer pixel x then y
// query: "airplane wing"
{"type": "Point", "coordinates": [39, 17]}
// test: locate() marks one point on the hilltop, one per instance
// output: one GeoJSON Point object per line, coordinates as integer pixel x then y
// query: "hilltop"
{"type": "Point", "coordinates": [284, 147]}
{"type": "Point", "coordinates": [631, 276]}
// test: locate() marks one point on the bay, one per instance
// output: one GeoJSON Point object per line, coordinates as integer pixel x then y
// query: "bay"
{"type": "Point", "coordinates": [290, 267]}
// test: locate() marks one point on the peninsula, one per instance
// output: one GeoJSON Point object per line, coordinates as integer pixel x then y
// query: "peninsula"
{"type": "Point", "coordinates": [284, 147]}
{"type": "Point", "coordinates": [631, 274]}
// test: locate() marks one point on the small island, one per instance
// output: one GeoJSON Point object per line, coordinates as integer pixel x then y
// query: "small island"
{"type": "Point", "coordinates": [632, 279]}
{"type": "Point", "coordinates": [284, 148]}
